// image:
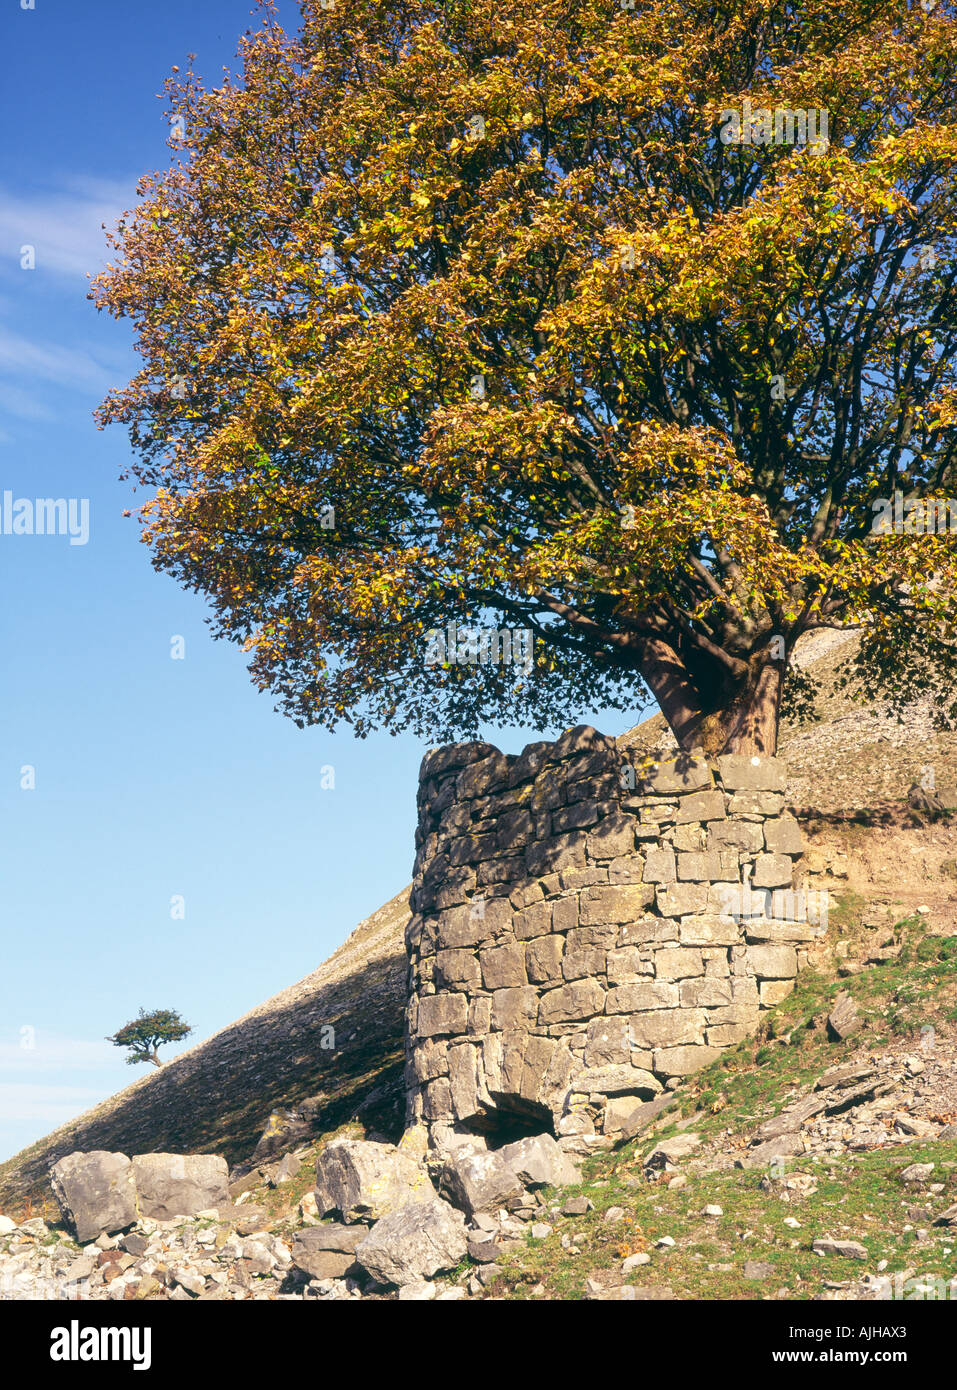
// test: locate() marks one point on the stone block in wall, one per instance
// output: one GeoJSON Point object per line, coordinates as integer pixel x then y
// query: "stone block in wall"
{"type": "Point", "coordinates": [600, 786]}
{"type": "Point", "coordinates": [543, 959]}
{"type": "Point", "coordinates": [660, 865]}
{"type": "Point", "coordinates": [484, 776]}
{"type": "Point", "coordinates": [494, 871]}
{"type": "Point", "coordinates": [739, 834]}
{"type": "Point", "coordinates": [453, 755]}
{"type": "Point", "coordinates": [466, 925]}
{"type": "Point", "coordinates": [647, 929]}
{"type": "Point", "coordinates": [642, 996]}
{"type": "Point", "coordinates": [528, 763]}
{"type": "Point", "coordinates": [561, 1068]}
{"type": "Point", "coordinates": [650, 834]}
{"type": "Point", "coordinates": [689, 838]}
{"type": "Point", "coordinates": [775, 992]}
{"type": "Point", "coordinates": [746, 803]}
{"type": "Point", "coordinates": [538, 1056]}
{"type": "Point", "coordinates": [565, 915]}
{"type": "Point", "coordinates": [613, 836]}
{"type": "Point", "coordinates": [503, 967]}
{"type": "Point", "coordinates": [525, 894]}
{"type": "Point", "coordinates": [581, 739]}
{"type": "Point", "coordinates": [453, 892]}
{"type": "Point", "coordinates": [782, 835]}
{"type": "Point", "coordinates": [617, 1080]}
{"type": "Point", "coordinates": [615, 903]}
{"type": "Point", "coordinates": [514, 1043]}
{"type": "Point", "coordinates": [514, 829]}
{"type": "Point", "coordinates": [680, 898]}
{"type": "Point", "coordinates": [581, 999]}
{"type": "Point", "coordinates": [437, 1100]}
{"type": "Point", "coordinates": [516, 1007]}
{"type": "Point", "coordinates": [744, 772]}
{"type": "Point", "coordinates": [557, 852]}
{"type": "Point", "coordinates": [545, 796]}
{"type": "Point", "coordinates": [607, 1040]}
{"type": "Point", "coordinates": [678, 962]}
{"type": "Point", "coordinates": [705, 993]}
{"type": "Point", "coordinates": [471, 849]}
{"type": "Point", "coordinates": [457, 969]}
{"type": "Point", "coordinates": [669, 1028]}
{"type": "Point", "coordinates": [709, 929]}
{"type": "Point", "coordinates": [716, 963]}
{"type": "Point", "coordinates": [573, 880]}
{"type": "Point", "coordinates": [581, 964]}
{"type": "Point", "coordinates": [628, 868]}
{"type": "Point", "coordinates": [700, 806]}
{"type": "Point", "coordinates": [430, 1059]}
{"type": "Point", "coordinates": [466, 1082]}
{"type": "Point", "coordinates": [772, 871]}
{"type": "Point", "coordinates": [695, 866]}
{"type": "Point", "coordinates": [480, 1014]}
{"type": "Point", "coordinates": [580, 815]}
{"type": "Point", "coordinates": [624, 964]}
{"type": "Point", "coordinates": [535, 920]}
{"type": "Point", "coordinates": [777, 962]}
{"type": "Point", "coordinates": [682, 773]}
{"type": "Point", "coordinates": [684, 1061]}
{"type": "Point", "coordinates": [742, 1012]}
{"type": "Point", "coordinates": [759, 929]}
{"type": "Point", "coordinates": [728, 1034]}
{"type": "Point", "coordinates": [443, 1014]}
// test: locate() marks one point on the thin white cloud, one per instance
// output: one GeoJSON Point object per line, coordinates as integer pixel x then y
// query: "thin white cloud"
{"type": "Point", "coordinates": [63, 225]}
{"type": "Point", "coordinates": [49, 1105]}
{"type": "Point", "coordinates": [35, 1050]}
{"type": "Point", "coordinates": [65, 366]}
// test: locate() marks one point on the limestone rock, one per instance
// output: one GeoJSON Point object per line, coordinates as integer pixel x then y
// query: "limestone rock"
{"type": "Point", "coordinates": [477, 1182]}
{"type": "Point", "coordinates": [327, 1252]}
{"type": "Point", "coordinates": [414, 1242]}
{"type": "Point", "coordinates": [170, 1185]}
{"type": "Point", "coordinates": [95, 1192]}
{"type": "Point", "coordinates": [538, 1161]}
{"type": "Point", "coordinates": [364, 1181]}
{"type": "Point", "coordinates": [843, 1020]}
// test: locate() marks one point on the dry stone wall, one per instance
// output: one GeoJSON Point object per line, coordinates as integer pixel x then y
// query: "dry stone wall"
{"type": "Point", "coordinates": [587, 931]}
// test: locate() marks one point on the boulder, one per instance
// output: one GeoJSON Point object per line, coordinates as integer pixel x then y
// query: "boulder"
{"type": "Point", "coordinates": [844, 1019]}
{"type": "Point", "coordinates": [414, 1242]}
{"type": "Point", "coordinates": [539, 1161]}
{"type": "Point", "coordinates": [364, 1181]}
{"type": "Point", "coordinates": [95, 1192]}
{"type": "Point", "coordinates": [170, 1185]}
{"type": "Point", "coordinates": [667, 1153]}
{"type": "Point", "coordinates": [327, 1252]}
{"type": "Point", "coordinates": [477, 1182]}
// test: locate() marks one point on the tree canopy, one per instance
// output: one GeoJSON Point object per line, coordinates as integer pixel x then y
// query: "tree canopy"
{"type": "Point", "coordinates": [148, 1032]}
{"type": "Point", "coordinates": [481, 312]}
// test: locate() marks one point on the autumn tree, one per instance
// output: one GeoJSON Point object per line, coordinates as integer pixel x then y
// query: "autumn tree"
{"type": "Point", "coordinates": [147, 1033]}
{"type": "Point", "coordinates": [618, 324]}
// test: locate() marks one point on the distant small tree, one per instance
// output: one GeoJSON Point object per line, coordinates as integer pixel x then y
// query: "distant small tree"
{"type": "Point", "coordinates": [146, 1033]}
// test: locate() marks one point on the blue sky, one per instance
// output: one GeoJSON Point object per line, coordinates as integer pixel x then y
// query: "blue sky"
{"type": "Point", "coordinates": [154, 778]}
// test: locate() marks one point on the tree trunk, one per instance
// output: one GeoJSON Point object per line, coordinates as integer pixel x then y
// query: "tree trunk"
{"type": "Point", "coordinates": [710, 714]}
{"type": "Point", "coordinates": [749, 723]}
